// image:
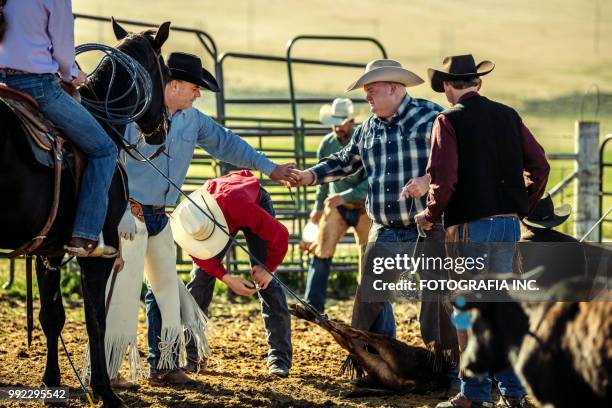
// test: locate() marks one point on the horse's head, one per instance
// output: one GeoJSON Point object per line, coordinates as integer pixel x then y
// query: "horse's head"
{"type": "Point", "coordinates": [145, 47]}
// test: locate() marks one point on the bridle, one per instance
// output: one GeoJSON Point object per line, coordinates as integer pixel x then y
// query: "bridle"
{"type": "Point", "coordinates": [163, 124]}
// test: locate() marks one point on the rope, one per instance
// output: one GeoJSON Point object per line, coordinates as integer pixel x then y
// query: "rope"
{"type": "Point", "coordinates": [140, 85]}
{"type": "Point", "coordinates": [83, 387]}
{"type": "Point", "coordinates": [319, 317]}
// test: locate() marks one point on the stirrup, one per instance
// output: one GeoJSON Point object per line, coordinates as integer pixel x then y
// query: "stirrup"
{"type": "Point", "coordinates": [103, 251]}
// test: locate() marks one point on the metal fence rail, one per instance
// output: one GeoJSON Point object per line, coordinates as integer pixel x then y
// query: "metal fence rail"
{"type": "Point", "coordinates": [603, 193]}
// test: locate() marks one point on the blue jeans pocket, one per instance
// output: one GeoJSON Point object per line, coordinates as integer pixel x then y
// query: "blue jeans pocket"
{"type": "Point", "coordinates": [30, 84]}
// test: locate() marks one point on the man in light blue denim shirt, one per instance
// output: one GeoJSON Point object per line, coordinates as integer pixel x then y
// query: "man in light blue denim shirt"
{"type": "Point", "coordinates": [148, 244]}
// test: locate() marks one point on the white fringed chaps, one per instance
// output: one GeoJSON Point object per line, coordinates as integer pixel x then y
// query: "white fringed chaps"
{"type": "Point", "coordinates": [182, 319]}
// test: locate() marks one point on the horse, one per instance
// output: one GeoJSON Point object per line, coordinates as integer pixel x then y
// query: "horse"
{"type": "Point", "coordinates": [29, 187]}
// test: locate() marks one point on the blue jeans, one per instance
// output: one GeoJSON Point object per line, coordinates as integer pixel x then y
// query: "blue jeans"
{"type": "Point", "coordinates": [494, 229]}
{"type": "Point", "coordinates": [154, 327]}
{"type": "Point", "coordinates": [316, 282]}
{"type": "Point", "coordinates": [274, 312]}
{"type": "Point", "coordinates": [155, 219]}
{"type": "Point", "coordinates": [88, 135]}
{"type": "Point", "coordinates": [384, 322]}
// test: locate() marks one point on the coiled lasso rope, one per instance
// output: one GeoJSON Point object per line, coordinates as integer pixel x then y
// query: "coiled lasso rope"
{"type": "Point", "coordinates": [109, 109]}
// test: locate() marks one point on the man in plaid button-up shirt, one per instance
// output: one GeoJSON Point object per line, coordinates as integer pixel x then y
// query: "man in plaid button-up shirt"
{"type": "Point", "coordinates": [392, 146]}
{"type": "Point", "coordinates": [392, 151]}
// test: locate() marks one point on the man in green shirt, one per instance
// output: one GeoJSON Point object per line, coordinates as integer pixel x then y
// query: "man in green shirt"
{"type": "Point", "coordinates": [338, 205]}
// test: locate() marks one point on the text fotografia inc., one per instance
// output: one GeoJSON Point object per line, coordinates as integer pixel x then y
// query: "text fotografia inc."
{"type": "Point", "coordinates": [404, 285]}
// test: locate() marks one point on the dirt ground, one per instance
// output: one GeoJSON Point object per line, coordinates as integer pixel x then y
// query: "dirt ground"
{"type": "Point", "coordinates": [236, 375]}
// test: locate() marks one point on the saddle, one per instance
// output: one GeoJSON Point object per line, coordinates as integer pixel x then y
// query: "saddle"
{"type": "Point", "coordinates": [49, 148]}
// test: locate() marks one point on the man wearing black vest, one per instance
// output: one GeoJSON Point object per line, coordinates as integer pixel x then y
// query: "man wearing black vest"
{"type": "Point", "coordinates": [486, 171]}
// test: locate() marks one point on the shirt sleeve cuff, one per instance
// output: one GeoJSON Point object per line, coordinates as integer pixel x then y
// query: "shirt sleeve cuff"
{"type": "Point", "coordinates": [74, 71]}
{"type": "Point", "coordinates": [265, 165]}
{"type": "Point", "coordinates": [318, 172]}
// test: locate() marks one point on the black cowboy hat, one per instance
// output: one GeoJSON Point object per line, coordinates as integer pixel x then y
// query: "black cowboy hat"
{"type": "Point", "coordinates": [456, 68]}
{"type": "Point", "coordinates": [188, 67]}
{"type": "Point", "coordinates": [545, 215]}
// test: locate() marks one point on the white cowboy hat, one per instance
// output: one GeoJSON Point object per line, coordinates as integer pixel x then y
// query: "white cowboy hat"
{"type": "Point", "coordinates": [385, 70]}
{"type": "Point", "coordinates": [194, 231]}
{"type": "Point", "coordinates": [340, 110]}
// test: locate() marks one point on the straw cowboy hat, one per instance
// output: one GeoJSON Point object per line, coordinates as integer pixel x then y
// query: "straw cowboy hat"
{"type": "Point", "coordinates": [545, 215]}
{"type": "Point", "coordinates": [456, 68]}
{"type": "Point", "coordinates": [337, 112]}
{"type": "Point", "coordinates": [385, 70]}
{"type": "Point", "coordinates": [194, 231]}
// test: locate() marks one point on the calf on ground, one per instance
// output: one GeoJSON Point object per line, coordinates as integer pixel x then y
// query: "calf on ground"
{"type": "Point", "coordinates": [396, 365]}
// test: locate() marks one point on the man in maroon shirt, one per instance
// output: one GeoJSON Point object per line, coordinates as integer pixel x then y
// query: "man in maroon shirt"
{"type": "Point", "coordinates": [486, 170]}
{"type": "Point", "coordinates": [239, 203]}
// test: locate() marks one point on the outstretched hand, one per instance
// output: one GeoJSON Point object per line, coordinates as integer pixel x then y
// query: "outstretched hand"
{"type": "Point", "coordinates": [305, 178]}
{"type": "Point", "coordinates": [285, 174]}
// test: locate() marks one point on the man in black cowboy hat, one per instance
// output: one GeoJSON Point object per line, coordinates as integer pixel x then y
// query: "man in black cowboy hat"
{"type": "Point", "coordinates": [486, 171]}
{"type": "Point", "coordinates": [147, 240]}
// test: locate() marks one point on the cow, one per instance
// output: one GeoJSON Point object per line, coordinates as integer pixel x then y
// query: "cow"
{"type": "Point", "coordinates": [396, 365]}
{"type": "Point", "coordinates": [562, 351]}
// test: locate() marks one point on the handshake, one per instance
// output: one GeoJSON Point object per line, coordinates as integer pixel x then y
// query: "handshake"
{"type": "Point", "coordinates": [289, 176]}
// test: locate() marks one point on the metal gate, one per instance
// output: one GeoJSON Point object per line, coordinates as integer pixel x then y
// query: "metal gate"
{"type": "Point", "coordinates": [603, 193]}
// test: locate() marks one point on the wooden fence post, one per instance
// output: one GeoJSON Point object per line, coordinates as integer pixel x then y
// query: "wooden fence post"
{"type": "Point", "coordinates": [586, 197]}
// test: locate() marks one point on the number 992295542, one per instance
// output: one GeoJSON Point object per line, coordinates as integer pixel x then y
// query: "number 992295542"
{"type": "Point", "coordinates": [48, 394]}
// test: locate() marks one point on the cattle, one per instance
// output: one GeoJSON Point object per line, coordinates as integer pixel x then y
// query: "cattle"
{"type": "Point", "coordinates": [396, 365]}
{"type": "Point", "coordinates": [562, 351]}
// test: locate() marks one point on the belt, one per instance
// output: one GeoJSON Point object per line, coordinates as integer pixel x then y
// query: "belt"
{"type": "Point", "coordinates": [137, 209]}
{"type": "Point", "coordinates": [12, 71]}
{"type": "Point", "coordinates": [399, 226]}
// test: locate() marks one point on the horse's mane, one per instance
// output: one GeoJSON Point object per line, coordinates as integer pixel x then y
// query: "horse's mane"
{"type": "Point", "coordinates": [133, 43]}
